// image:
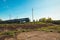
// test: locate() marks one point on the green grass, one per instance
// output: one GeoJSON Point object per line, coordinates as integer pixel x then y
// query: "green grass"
{"type": "Point", "coordinates": [12, 33]}
{"type": "Point", "coordinates": [50, 29]}
{"type": "Point", "coordinates": [9, 33]}
{"type": "Point", "coordinates": [47, 29]}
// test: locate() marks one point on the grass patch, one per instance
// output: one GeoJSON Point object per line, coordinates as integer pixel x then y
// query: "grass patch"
{"type": "Point", "coordinates": [50, 29]}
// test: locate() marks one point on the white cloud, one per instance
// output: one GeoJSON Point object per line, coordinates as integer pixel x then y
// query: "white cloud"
{"type": "Point", "coordinates": [48, 8]}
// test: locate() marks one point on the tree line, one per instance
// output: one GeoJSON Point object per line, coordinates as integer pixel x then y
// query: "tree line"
{"type": "Point", "coordinates": [48, 20]}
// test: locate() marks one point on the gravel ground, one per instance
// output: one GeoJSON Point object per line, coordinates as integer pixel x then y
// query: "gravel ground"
{"type": "Point", "coordinates": [38, 35]}
{"type": "Point", "coordinates": [34, 35]}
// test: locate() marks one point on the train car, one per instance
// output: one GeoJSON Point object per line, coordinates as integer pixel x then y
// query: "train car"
{"type": "Point", "coordinates": [22, 20]}
{"type": "Point", "coordinates": [56, 22]}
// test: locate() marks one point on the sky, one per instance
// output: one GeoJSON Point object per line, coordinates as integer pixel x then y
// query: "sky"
{"type": "Point", "coordinates": [23, 8]}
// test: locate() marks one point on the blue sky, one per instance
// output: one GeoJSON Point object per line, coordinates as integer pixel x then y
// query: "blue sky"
{"type": "Point", "coordinates": [23, 8]}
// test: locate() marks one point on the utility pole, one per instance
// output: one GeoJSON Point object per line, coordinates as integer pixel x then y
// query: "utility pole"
{"type": "Point", "coordinates": [32, 15]}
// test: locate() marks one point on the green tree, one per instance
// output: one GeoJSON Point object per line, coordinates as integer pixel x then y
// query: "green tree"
{"type": "Point", "coordinates": [49, 20]}
{"type": "Point", "coordinates": [42, 20]}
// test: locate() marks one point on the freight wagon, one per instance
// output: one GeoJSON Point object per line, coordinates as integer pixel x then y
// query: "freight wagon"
{"type": "Point", "coordinates": [22, 20]}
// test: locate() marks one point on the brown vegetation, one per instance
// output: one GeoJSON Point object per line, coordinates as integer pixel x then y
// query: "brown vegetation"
{"type": "Point", "coordinates": [29, 31]}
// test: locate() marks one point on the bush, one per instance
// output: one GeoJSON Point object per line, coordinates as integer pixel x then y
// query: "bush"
{"type": "Point", "coordinates": [10, 33]}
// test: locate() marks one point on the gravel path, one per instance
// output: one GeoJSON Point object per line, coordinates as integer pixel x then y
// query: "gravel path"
{"type": "Point", "coordinates": [37, 35]}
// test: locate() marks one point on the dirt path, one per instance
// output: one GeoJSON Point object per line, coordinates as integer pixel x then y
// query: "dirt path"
{"type": "Point", "coordinates": [37, 35]}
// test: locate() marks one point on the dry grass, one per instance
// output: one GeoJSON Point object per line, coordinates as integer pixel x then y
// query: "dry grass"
{"type": "Point", "coordinates": [30, 31]}
{"type": "Point", "coordinates": [37, 35]}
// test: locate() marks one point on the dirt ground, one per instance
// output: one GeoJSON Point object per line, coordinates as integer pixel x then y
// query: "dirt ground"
{"type": "Point", "coordinates": [37, 35]}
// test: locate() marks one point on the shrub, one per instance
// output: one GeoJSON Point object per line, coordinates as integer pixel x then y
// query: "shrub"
{"type": "Point", "coordinates": [10, 33]}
